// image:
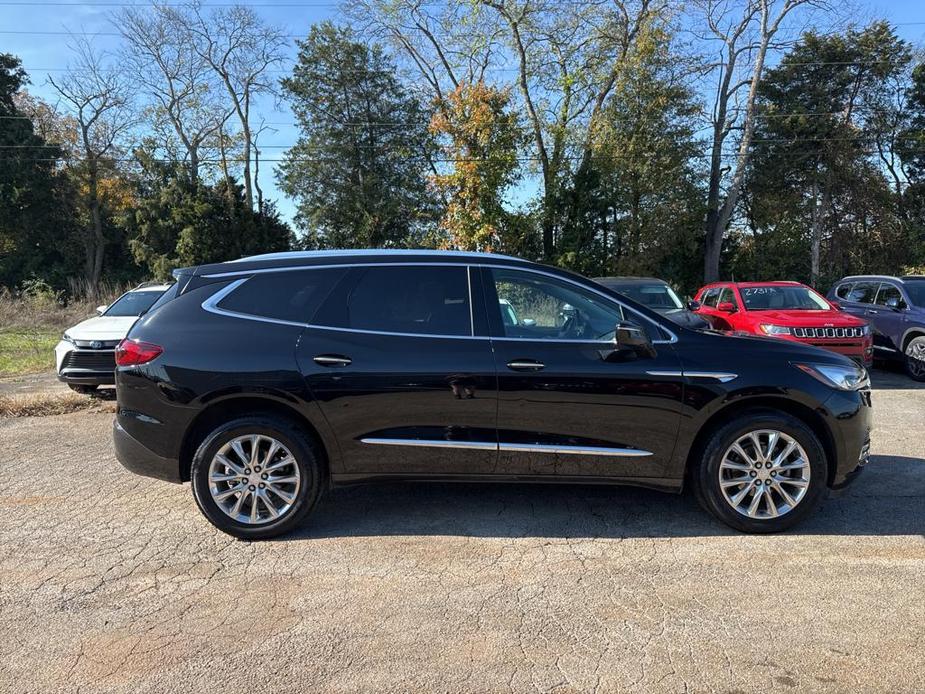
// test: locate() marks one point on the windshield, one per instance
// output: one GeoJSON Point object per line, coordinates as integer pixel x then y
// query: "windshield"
{"type": "Point", "coordinates": [916, 291]}
{"type": "Point", "coordinates": [133, 303]}
{"type": "Point", "coordinates": [654, 296]}
{"type": "Point", "coordinates": [782, 299]}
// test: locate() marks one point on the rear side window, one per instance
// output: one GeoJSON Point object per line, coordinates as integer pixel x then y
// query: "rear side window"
{"type": "Point", "coordinates": [843, 290]}
{"type": "Point", "coordinates": [423, 300]}
{"type": "Point", "coordinates": [292, 295]}
{"type": "Point", "coordinates": [863, 292]}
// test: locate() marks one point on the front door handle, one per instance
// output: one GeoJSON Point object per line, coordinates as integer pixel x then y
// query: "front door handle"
{"type": "Point", "coordinates": [525, 365]}
{"type": "Point", "coordinates": [332, 360]}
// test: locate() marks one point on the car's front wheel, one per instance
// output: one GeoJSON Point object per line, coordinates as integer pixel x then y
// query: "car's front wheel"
{"type": "Point", "coordinates": [762, 472]}
{"type": "Point", "coordinates": [256, 477]}
{"type": "Point", "coordinates": [915, 358]}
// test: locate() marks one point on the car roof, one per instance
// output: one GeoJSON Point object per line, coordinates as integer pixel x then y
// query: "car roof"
{"type": "Point", "coordinates": [159, 287]}
{"type": "Point", "coordinates": [876, 278]}
{"type": "Point", "coordinates": [629, 280]}
{"type": "Point", "coordinates": [770, 283]}
{"type": "Point", "coordinates": [346, 256]}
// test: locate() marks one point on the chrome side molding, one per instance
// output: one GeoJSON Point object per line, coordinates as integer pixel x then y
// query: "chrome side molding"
{"type": "Point", "coordinates": [511, 447]}
{"type": "Point", "coordinates": [721, 376]}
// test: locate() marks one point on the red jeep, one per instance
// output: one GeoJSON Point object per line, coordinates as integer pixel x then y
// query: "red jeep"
{"type": "Point", "coordinates": [789, 310]}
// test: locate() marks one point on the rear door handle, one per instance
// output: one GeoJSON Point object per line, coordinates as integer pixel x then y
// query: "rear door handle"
{"type": "Point", "coordinates": [332, 360]}
{"type": "Point", "coordinates": [525, 365]}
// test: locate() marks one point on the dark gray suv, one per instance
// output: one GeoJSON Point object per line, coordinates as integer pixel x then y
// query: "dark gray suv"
{"type": "Point", "coordinates": [895, 308]}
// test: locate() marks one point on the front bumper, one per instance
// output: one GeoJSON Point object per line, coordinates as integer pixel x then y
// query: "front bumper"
{"type": "Point", "coordinates": [85, 365]}
{"type": "Point", "coordinates": [138, 458]}
{"type": "Point", "coordinates": [851, 419]}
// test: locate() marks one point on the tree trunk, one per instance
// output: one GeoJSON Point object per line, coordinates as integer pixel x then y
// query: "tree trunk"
{"type": "Point", "coordinates": [97, 242]}
{"type": "Point", "coordinates": [816, 238]}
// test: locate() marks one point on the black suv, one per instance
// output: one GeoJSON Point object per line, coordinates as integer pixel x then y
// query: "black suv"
{"type": "Point", "coordinates": [267, 380]}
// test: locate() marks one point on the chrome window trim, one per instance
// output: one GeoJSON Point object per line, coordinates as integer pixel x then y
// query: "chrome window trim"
{"type": "Point", "coordinates": [510, 447]}
{"type": "Point", "coordinates": [210, 304]}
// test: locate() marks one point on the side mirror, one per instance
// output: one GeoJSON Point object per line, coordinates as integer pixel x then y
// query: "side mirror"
{"type": "Point", "coordinates": [895, 303]}
{"type": "Point", "coordinates": [726, 307]}
{"type": "Point", "coordinates": [101, 309]}
{"type": "Point", "coordinates": [836, 305]}
{"type": "Point", "coordinates": [528, 322]}
{"type": "Point", "coordinates": [693, 305]}
{"type": "Point", "coordinates": [630, 338]}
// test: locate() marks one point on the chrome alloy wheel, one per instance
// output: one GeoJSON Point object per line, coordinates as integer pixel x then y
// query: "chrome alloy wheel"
{"type": "Point", "coordinates": [915, 358]}
{"type": "Point", "coordinates": [254, 479]}
{"type": "Point", "coordinates": [764, 474]}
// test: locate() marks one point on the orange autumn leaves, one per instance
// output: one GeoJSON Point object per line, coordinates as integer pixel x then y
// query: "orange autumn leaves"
{"type": "Point", "coordinates": [481, 137]}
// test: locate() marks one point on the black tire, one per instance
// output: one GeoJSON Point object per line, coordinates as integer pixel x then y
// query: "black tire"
{"type": "Point", "coordinates": [915, 368]}
{"type": "Point", "coordinates": [706, 475]}
{"type": "Point", "coordinates": [307, 456]}
{"type": "Point", "coordinates": [82, 389]}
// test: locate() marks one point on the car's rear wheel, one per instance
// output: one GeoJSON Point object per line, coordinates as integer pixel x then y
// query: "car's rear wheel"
{"type": "Point", "coordinates": [256, 477]}
{"type": "Point", "coordinates": [763, 472]}
{"type": "Point", "coordinates": [82, 389]}
{"type": "Point", "coordinates": [915, 358]}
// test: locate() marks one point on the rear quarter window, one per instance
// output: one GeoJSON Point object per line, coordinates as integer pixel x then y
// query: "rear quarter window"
{"type": "Point", "coordinates": [843, 290]}
{"type": "Point", "coordinates": [291, 295]}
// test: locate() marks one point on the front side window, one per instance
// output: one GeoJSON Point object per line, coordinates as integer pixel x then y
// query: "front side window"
{"type": "Point", "coordinates": [863, 292]}
{"type": "Point", "coordinates": [710, 296]}
{"type": "Point", "coordinates": [133, 303]}
{"type": "Point", "coordinates": [887, 292]}
{"type": "Point", "coordinates": [782, 298]}
{"type": "Point", "coordinates": [544, 308]}
{"type": "Point", "coordinates": [726, 297]}
{"type": "Point", "coordinates": [419, 300]}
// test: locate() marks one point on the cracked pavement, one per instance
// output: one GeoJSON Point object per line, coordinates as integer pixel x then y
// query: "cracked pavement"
{"type": "Point", "coordinates": [114, 583]}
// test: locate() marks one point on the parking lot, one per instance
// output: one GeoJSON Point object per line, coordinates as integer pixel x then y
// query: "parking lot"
{"type": "Point", "coordinates": [112, 582]}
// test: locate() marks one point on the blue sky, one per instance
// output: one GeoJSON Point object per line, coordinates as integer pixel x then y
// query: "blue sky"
{"type": "Point", "coordinates": [33, 31]}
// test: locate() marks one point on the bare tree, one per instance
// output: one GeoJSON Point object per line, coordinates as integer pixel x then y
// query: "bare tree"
{"type": "Point", "coordinates": [241, 49]}
{"type": "Point", "coordinates": [745, 30]}
{"type": "Point", "coordinates": [100, 100]}
{"type": "Point", "coordinates": [567, 57]}
{"type": "Point", "coordinates": [177, 79]}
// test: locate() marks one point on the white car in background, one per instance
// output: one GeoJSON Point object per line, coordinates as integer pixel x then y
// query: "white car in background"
{"type": "Point", "coordinates": [85, 356]}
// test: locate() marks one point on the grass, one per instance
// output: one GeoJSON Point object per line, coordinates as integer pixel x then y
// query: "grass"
{"type": "Point", "coordinates": [47, 404]}
{"type": "Point", "coordinates": [27, 350]}
{"type": "Point", "coordinates": [31, 325]}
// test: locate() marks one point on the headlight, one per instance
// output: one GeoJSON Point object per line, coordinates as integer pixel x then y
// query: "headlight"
{"type": "Point", "coordinates": [836, 376]}
{"type": "Point", "coordinates": [67, 338]}
{"type": "Point", "coordinates": [866, 329]}
{"type": "Point", "coordinates": [768, 329]}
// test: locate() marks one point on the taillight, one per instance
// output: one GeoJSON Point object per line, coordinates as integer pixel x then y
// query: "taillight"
{"type": "Point", "coordinates": [135, 352]}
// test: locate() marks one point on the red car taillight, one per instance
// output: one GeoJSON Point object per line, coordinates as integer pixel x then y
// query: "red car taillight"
{"type": "Point", "coordinates": [135, 352]}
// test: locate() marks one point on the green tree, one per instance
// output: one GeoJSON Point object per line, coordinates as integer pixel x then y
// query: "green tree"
{"type": "Point", "coordinates": [177, 222]}
{"type": "Point", "coordinates": [358, 169]}
{"type": "Point", "coordinates": [813, 182]}
{"type": "Point", "coordinates": [636, 206]}
{"type": "Point", "coordinates": [36, 200]}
